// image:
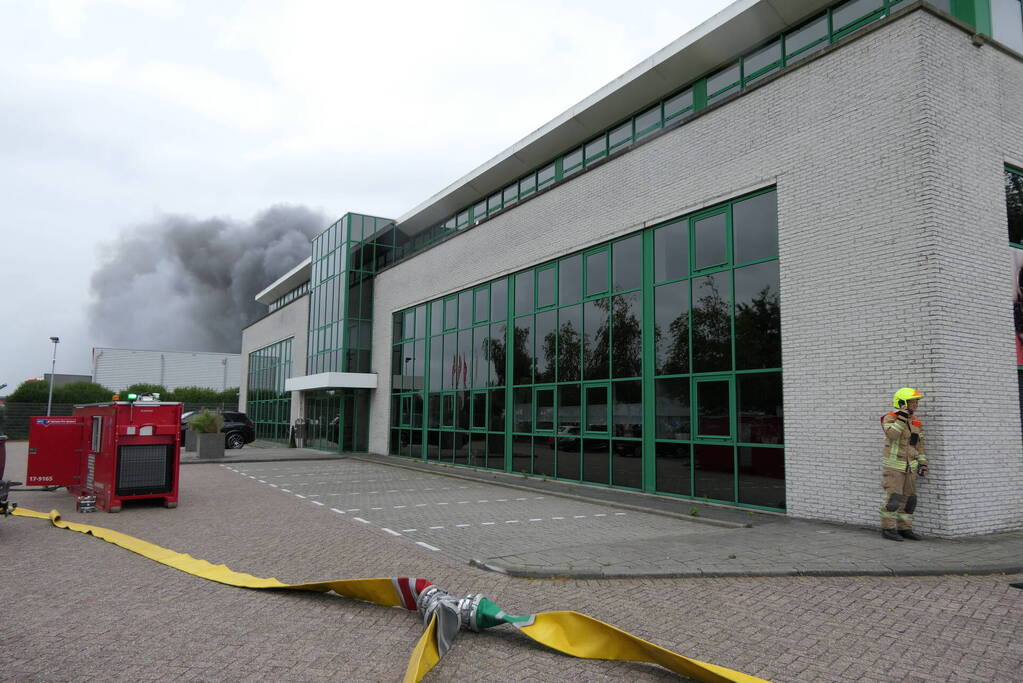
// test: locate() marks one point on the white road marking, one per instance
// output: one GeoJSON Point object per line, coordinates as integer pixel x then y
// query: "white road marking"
{"type": "Point", "coordinates": [536, 519]}
{"type": "Point", "coordinates": [391, 531]}
{"type": "Point", "coordinates": [487, 523]}
{"type": "Point", "coordinates": [340, 512]}
{"type": "Point", "coordinates": [436, 527]}
{"type": "Point", "coordinates": [619, 513]}
{"type": "Point", "coordinates": [408, 531]}
{"type": "Point", "coordinates": [360, 519]}
{"type": "Point", "coordinates": [461, 502]}
{"type": "Point", "coordinates": [578, 516]}
{"type": "Point", "coordinates": [511, 521]}
{"type": "Point", "coordinates": [441, 503]}
{"type": "Point", "coordinates": [557, 518]}
{"type": "Point", "coordinates": [376, 508]}
{"type": "Point", "coordinates": [461, 525]}
{"type": "Point", "coordinates": [352, 510]}
{"type": "Point", "coordinates": [502, 500]}
{"type": "Point", "coordinates": [427, 546]}
{"type": "Point", "coordinates": [286, 490]}
{"type": "Point", "coordinates": [600, 514]}
{"type": "Point", "coordinates": [398, 507]}
{"type": "Point", "coordinates": [482, 501]}
{"type": "Point", "coordinates": [299, 495]}
{"type": "Point", "coordinates": [261, 481]}
{"type": "Point", "coordinates": [316, 502]}
{"type": "Point", "coordinates": [275, 486]}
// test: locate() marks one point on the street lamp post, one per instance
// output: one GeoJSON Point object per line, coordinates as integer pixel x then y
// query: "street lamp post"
{"type": "Point", "coordinates": [53, 367]}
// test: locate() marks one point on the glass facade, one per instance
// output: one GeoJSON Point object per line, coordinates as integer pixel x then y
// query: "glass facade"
{"type": "Point", "coordinates": [1007, 23]}
{"type": "Point", "coordinates": [652, 362]}
{"type": "Point", "coordinates": [1014, 209]}
{"type": "Point", "coordinates": [294, 294]}
{"type": "Point", "coordinates": [268, 405]}
{"type": "Point", "coordinates": [767, 58]}
{"type": "Point", "coordinates": [345, 258]}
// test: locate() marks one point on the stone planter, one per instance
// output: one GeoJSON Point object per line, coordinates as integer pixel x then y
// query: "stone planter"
{"type": "Point", "coordinates": [210, 445]}
{"type": "Point", "coordinates": [190, 444]}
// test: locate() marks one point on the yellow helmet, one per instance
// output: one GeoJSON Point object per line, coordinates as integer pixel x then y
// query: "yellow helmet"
{"type": "Point", "coordinates": [905, 394]}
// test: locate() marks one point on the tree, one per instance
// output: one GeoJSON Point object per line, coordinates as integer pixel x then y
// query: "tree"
{"type": "Point", "coordinates": [143, 388]}
{"type": "Point", "coordinates": [37, 391]}
{"type": "Point", "coordinates": [196, 395]}
{"type": "Point", "coordinates": [30, 391]}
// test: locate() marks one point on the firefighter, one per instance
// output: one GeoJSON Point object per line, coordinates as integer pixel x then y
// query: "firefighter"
{"type": "Point", "coordinates": [904, 461]}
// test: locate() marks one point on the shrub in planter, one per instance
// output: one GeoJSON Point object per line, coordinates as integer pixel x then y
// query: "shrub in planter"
{"type": "Point", "coordinates": [209, 440]}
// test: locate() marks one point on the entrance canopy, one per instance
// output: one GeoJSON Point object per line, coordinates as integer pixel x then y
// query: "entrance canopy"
{"type": "Point", "coordinates": [332, 380]}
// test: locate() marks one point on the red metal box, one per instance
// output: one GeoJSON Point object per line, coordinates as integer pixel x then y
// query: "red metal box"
{"type": "Point", "coordinates": [115, 451]}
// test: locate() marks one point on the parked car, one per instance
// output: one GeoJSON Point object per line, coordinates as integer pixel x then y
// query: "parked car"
{"type": "Point", "coordinates": [238, 429]}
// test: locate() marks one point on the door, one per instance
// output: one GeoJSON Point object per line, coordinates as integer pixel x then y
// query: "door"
{"type": "Point", "coordinates": [55, 447]}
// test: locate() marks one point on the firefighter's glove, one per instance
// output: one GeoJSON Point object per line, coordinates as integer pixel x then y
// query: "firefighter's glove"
{"type": "Point", "coordinates": [921, 470]}
{"type": "Point", "coordinates": [914, 439]}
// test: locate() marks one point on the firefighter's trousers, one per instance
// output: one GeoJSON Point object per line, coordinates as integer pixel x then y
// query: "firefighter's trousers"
{"type": "Point", "coordinates": [899, 500]}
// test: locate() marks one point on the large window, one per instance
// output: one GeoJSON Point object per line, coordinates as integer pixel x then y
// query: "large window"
{"type": "Point", "coordinates": [651, 362]}
{"type": "Point", "coordinates": [268, 405]}
{"type": "Point", "coordinates": [1014, 206]}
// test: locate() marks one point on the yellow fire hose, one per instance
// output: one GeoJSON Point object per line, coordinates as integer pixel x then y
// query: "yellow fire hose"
{"type": "Point", "coordinates": [571, 633]}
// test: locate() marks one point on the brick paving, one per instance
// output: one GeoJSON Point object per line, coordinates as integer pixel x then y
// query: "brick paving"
{"type": "Point", "coordinates": [75, 608]}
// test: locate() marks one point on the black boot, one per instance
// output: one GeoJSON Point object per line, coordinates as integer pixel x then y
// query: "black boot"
{"type": "Point", "coordinates": [910, 534]}
{"type": "Point", "coordinates": [891, 535]}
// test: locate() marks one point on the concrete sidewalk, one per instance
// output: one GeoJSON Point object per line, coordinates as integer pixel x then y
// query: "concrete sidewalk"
{"type": "Point", "coordinates": [746, 543]}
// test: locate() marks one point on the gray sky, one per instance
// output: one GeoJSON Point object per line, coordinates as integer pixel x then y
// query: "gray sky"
{"type": "Point", "coordinates": [118, 114]}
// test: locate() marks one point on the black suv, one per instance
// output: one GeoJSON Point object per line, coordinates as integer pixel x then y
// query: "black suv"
{"type": "Point", "coordinates": [238, 429]}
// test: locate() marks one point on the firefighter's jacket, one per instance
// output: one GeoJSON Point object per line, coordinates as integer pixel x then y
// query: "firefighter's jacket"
{"type": "Point", "coordinates": [901, 450]}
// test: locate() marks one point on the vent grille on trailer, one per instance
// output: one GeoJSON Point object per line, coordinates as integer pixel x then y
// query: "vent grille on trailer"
{"type": "Point", "coordinates": [143, 470]}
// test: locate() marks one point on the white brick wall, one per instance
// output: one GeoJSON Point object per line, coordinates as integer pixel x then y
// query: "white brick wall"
{"type": "Point", "coordinates": [289, 321]}
{"type": "Point", "coordinates": [887, 154]}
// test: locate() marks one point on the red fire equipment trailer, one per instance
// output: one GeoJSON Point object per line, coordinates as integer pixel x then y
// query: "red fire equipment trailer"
{"type": "Point", "coordinates": [118, 451]}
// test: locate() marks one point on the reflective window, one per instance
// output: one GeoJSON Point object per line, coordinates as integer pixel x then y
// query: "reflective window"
{"type": "Point", "coordinates": [570, 279]}
{"type": "Point", "coordinates": [595, 461]}
{"type": "Point", "coordinates": [722, 81]}
{"type": "Point", "coordinates": [596, 408]}
{"type": "Point", "coordinates": [813, 33]}
{"type": "Point", "coordinates": [712, 347]}
{"type": "Point", "coordinates": [1014, 205]}
{"type": "Point", "coordinates": [762, 477]}
{"type": "Point", "coordinates": [494, 202]}
{"type": "Point", "coordinates": [674, 468]}
{"type": "Point", "coordinates": [755, 228]}
{"type": "Point", "coordinates": [852, 11]}
{"type": "Point", "coordinates": [765, 57]}
{"type": "Point", "coordinates": [545, 410]}
{"type": "Point", "coordinates": [451, 313]}
{"type": "Point", "coordinates": [627, 264]}
{"type": "Point", "coordinates": [671, 328]}
{"type": "Point", "coordinates": [572, 162]}
{"type": "Point", "coordinates": [523, 414]}
{"type": "Point", "coordinates": [596, 272]}
{"type": "Point", "coordinates": [545, 175]}
{"type": "Point", "coordinates": [1007, 23]}
{"type": "Point", "coordinates": [510, 194]}
{"type": "Point", "coordinates": [713, 408]}
{"type": "Point", "coordinates": [481, 305]}
{"type": "Point", "coordinates": [627, 335]}
{"type": "Point", "coordinates": [546, 290]}
{"type": "Point", "coordinates": [570, 329]}
{"type": "Point", "coordinates": [499, 300]}
{"type": "Point", "coordinates": [679, 104]}
{"type": "Point", "coordinates": [759, 409]}
{"type": "Point", "coordinates": [524, 292]}
{"type": "Point", "coordinates": [595, 149]}
{"type": "Point", "coordinates": [465, 303]}
{"type": "Point", "coordinates": [596, 339]}
{"type": "Point", "coordinates": [622, 135]}
{"type": "Point", "coordinates": [479, 211]}
{"type": "Point", "coordinates": [523, 358]}
{"type": "Point", "coordinates": [757, 317]}
{"type": "Point", "coordinates": [546, 333]}
{"type": "Point", "coordinates": [672, 413]}
{"type": "Point", "coordinates": [714, 475]}
{"type": "Point", "coordinates": [627, 409]}
{"type": "Point", "coordinates": [709, 237]}
{"type": "Point", "coordinates": [527, 185]}
{"type": "Point", "coordinates": [671, 251]}
{"type": "Point", "coordinates": [648, 121]}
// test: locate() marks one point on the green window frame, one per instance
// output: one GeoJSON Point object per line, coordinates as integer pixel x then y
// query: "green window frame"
{"type": "Point", "coordinates": [679, 104]}
{"type": "Point", "coordinates": [698, 402]}
{"type": "Point", "coordinates": [648, 121]}
{"type": "Point", "coordinates": [479, 316]}
{"type": "Point", "coordinates": [601, 427]}
{"type": "Point", "coordinates": [853, 15]}
{"type": "Point", "coordinates": [724, 81]}
{"type": "Point", "coordinates": [755, 65]}
{"type": "Point", "coordinates": [595, 149]}
{"type": "Point", "coordinates": [540, 424]}
{"type": "Point", "coordinates": [695, 240]}
{"type": "Point", "coordinates": [550, 270]}
{"type": "Point", "coordinates": [546, 175]}
{"type": "Point", "coordinates": [592, 287]}
{"type": "Point", "coordinates": [620, 136]}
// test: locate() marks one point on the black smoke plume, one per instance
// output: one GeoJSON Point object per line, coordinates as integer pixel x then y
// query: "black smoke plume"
{"type": "Point", "coordinates": [183, 284]}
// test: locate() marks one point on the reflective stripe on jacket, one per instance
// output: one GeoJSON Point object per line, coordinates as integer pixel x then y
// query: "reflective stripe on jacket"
{"type": "Point", "coordinates": [898, 453]}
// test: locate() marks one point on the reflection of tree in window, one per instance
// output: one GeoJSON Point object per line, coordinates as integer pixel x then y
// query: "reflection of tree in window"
{"type": "Point", "coordinates": [596, 338]}
{"type": "Point", "coordinates": [711, 322]}
{"type": "Point", "coordinates": [758, 326]}
{"type": "Point", "coordinates": [1014, 204]}
{"type": "Point", "coordinates": [626, 359]}
{"type": "Point", "coordinates": [569, 343]}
